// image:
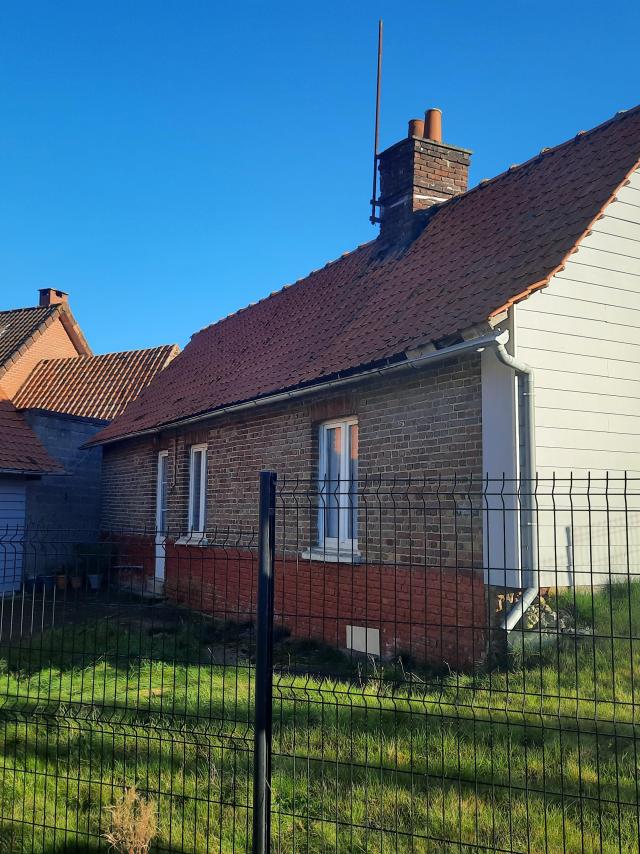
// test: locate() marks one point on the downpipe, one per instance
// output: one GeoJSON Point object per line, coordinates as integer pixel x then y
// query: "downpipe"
{"type": "Point", "coordinates": [525, 376]}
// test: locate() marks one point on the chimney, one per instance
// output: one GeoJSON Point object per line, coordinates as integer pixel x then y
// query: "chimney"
{"type": "Point", "coordinates": [51, 296]}
{"type": "Point", "coordinates": [416, 173]}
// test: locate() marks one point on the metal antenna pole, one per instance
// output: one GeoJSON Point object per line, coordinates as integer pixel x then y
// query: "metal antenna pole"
{"type": "Point", "coordinates": [374, 198]}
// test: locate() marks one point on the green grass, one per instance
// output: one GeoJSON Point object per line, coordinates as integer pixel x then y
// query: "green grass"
{"type": "Point", "coordinates": [540, 756]}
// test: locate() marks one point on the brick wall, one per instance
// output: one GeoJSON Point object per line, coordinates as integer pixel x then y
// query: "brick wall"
{"type": "Point", "coordinates": [426, 422]}
{"type": "Point", "coordinates": [52, 343]}
{"type": "Point", "coordinates": [421, 550]}
{"type": "Point", "coordinates": [129, 486]}
{"type": "Point", "coordinates": [430, 614]}
{"type": "Point", "coordinates": [415, 174]}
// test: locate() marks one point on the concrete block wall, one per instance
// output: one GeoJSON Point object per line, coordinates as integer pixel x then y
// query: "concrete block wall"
{"type": "Point", "coordinates": [66, 507]}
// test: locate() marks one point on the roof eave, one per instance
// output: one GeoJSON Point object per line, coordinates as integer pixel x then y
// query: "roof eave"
{"type": "Point", "coordinates": [31, 472]}
{"type": "Point", "coordinates": [402, 361]}
{"type": "Point", "coordinates": [542, 283]}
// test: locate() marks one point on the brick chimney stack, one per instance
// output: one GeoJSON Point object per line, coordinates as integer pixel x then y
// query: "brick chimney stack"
{"type": "Point", "coordinates": [51, 296]}
{"type": "Point", "coordinates": [416, 173]}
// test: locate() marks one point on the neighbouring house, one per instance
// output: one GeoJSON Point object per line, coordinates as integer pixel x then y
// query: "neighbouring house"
{"type": "Point", "coordinates": [54, 396]}
{"type": "Point", "coordinates": [415, 353]}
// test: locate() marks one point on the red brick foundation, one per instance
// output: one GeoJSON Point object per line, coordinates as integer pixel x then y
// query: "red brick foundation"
{"type": "Point", "coordinates": [434, 616]}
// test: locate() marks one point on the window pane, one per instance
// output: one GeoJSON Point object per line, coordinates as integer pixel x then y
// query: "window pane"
{"type": "Point", "coordinates": [353, 482]}
{"type": "Point", "coordinates": [196, 484]}
{"type": "Point", "coordinates": [333, 452]}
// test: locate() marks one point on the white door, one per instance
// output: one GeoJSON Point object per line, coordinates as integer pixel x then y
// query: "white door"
{"type": "Point", "coordinates": [12, 516]}
{"type": "Point", "coordinates": [161, 514]}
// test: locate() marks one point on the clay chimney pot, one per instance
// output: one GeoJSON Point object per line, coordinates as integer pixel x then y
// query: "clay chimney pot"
{"type": "Point", "coordinates": [416, 127]}
{"type": "Point", "coordinates": [433, 124]}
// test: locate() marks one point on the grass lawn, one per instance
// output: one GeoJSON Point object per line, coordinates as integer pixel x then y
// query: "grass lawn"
{"type": "Point", "coordinates": [541, 756]}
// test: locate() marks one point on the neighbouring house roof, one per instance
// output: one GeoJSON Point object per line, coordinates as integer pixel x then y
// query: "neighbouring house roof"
{"type": "Point", "coordinates": [20, 449]}
{"type": "Point", "coordinates": [97, 387]}
{"type": "Point", "coordinates": [478, 253]}
{"type": "Point", "coordinates": [19, 328]}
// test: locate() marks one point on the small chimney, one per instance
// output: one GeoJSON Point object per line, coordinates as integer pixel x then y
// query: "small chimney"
{"type": "Point", "coordinates": [416, 173]}
{"type": "Point", "coordinates": [51, 296]}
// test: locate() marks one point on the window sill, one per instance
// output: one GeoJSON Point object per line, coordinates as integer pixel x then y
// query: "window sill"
{"type": "Point", "coordinates": [346, 555]}
{"type": "Point", "coordinates": [192, 540]}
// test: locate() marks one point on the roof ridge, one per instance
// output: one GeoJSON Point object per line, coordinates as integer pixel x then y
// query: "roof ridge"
{"type": "Point", "coordinates": [81, 356]}
{"type": "Point", "coordinates": [621, 114]}
{"type": "Point", "coordinates": [43, 308]}
{"type": "Point", "coordinates": [544, 152]}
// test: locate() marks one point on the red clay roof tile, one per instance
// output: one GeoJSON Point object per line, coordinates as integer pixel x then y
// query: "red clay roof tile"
{"type": "Point", "coordinates": [20, 448]}
{"type": "Point", "coordinates": [92, 386]}
{"type": "Point", "coordinates": [477, 254]}
{"type": "Point", "coordinates": [19, 327]}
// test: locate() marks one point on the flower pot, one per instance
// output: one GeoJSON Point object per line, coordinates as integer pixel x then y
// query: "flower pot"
{"type": "Point", "coordinates": [76, 582]}
{"type": "Point", "coordinates": [95, 580]}
{"type": "Point", "coordinates": [45, 582]}
{"type": "Point", "coordinates": [61, 581]}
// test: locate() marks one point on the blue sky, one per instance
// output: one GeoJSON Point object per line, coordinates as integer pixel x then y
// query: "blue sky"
{"type": "Point", "coordinates": [168, 163]}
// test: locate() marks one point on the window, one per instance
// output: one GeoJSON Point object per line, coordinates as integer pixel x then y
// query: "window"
{"type": "Point", "coordinates": [338, 486]}
{"type": "Point", "coordinates": [161, 492]}
{"type": "Point", "coordinates": [197, 489]}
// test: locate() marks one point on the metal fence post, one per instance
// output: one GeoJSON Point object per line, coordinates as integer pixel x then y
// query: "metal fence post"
{"type": "Point", "coordinates": [264, 667]}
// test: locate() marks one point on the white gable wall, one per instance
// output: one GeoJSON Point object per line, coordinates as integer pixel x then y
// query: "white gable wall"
{"type": "Point", "coordinates": [581, 334]}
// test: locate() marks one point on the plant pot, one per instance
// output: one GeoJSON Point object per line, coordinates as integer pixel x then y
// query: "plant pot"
{"type": "Point", "coordinates": [61, 582]}
{"type": "Point", "coordinates": [95, 580]}
{"type": "Point", "coordinates": [76, 582]}
{"type": "Point", "coordinates": [45, 582]}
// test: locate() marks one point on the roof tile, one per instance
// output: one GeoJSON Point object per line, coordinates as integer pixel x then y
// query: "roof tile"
{"type": "Point", "coordinates": [92, 386]}
{"type": "Point", "coordinates": [19, 326]}
{"type": "Point", "coordinates": [477, 254]}
{"type": "Point", "coordinates": [20, 448]}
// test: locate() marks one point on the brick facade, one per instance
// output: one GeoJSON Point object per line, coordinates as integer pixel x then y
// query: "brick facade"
{"type": "Point", "coordinates": [420, 579]}
{"type": "Point", "coordinates": [53, 342]}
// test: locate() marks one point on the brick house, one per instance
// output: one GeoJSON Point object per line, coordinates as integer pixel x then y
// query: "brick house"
{"type": "Point", "coordinates": [414, 355]}
{"type": "Point", "coordinates": [54, 396]}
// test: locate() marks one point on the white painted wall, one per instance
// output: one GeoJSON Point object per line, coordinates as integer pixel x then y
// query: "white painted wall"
{"type": "Point", "coordinates": [581, 334]}
{"type": "Point", "coordinates": [500, 468]}
{"type": "Point", "coordinates": [12, 518]}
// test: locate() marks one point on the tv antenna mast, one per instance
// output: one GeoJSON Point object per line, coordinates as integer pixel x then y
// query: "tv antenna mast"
{"type": "Point", "coordinates": [374, 197]}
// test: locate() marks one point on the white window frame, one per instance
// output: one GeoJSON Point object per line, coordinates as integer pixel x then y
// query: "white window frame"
{"type": "Point", "coordinates": [162, 455]}
{"type": "Point", "coordinates": [197, 526]}
{"type": "Point", "coordinates": [161, 530]}
{"type": "Point", "coordinates": [341, 544]}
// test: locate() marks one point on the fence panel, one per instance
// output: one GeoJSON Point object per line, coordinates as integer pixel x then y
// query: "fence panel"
{"type": "Point", "coordinates": [406, 717]}
{"type": "Point", "coordinates": [440, 684]}
{"type": "Point", "coordinates": [126, 692]}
